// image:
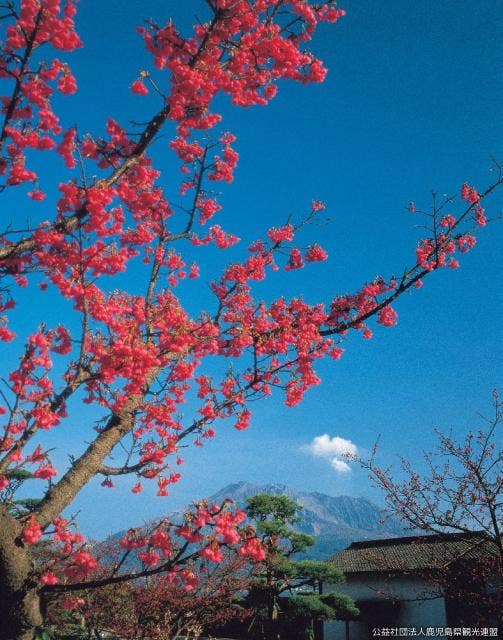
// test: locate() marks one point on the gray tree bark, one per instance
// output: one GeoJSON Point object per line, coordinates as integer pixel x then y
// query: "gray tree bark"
{"type": "Point", "coordinates": [20, 612]}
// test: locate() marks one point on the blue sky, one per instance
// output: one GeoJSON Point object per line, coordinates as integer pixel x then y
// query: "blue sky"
{"type": "Point", "coordinates": [411, 104]}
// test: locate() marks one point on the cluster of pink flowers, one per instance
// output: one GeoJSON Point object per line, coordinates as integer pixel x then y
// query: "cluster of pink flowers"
{"type": "Point", "coordinates": [32, 532]}
{"type": "Point", "coordinates": [387, 317]}
{"type": "Point", "coordinates": [264, 55]}
{"type": "Point", "coordinates": [210, 526]}
{"type": "Point", "coordinates": [64, 534]}
{"type": "Point", "coordinates": [431, 255]}
{"type": "Point", "coordinates": [139, 88]}
{"type": "Point", "coordinates": [281, 234]}
{"type": "Point", "coordinates": [253, 549]}
{"type": "Point", "coordinates": [30, 118]}
{"type": "Point", "coordinates": [139, 354]}
{"type": "Point", "coordinates": [70, 604]}
{"type": "Point", "coordinates": [471, 195]}
{"type": "Point", "coordinates": [49, 578]}
{"type": "Point", "coordinates": [82, 564]}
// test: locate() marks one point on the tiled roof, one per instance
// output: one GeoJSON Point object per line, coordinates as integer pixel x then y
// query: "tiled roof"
{"type": "Point", "coordinates": [412, 553]}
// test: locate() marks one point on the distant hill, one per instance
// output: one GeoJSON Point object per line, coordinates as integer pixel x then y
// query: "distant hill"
{"type": "Point", "coordinates": [336, 521]}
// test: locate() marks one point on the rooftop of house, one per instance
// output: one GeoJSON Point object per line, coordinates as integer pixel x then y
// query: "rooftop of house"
{"type": "Point", "coordinates": [412, 553]}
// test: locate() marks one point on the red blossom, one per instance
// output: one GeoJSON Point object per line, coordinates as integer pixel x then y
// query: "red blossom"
{"type": "Point", "coordinates": [45, 472]}
{"type": "Point", "coordinates": [295, 260]}
{"type": "Point", "coordinates": [67, 84]}
{"type": "Point", "coordinates": [113, 251]}
{"type": "Point", "coordinates": [387, 317]}
{"type": "Point", "coordinates": [315, 253]}
{"type": "Point", "coordinates": [139, 88]}
{"type": "Point", "coordinates": [32, 532]}
{"type": "Point", "coordinates": [36, 194]}
{"type": "Point", "coordinates": [48, 578]}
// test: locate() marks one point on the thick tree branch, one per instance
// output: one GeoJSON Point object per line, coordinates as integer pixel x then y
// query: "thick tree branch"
{"type": "Point", "coordinates": [61, 494]}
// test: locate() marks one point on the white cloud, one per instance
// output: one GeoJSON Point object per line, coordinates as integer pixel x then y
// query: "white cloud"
{"type": "Point", "coordinates": [327, 447]}
{"type": "Point", "coordinates": [333, 448]}
{"type": "Point", "coordinates": [340, 466]}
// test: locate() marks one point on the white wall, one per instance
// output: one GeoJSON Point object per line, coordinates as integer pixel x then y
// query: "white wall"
{"type": "Point", "coordinates": [417, 607]}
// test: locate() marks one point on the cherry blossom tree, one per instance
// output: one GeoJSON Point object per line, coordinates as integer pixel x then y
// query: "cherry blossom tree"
{"type": "Point", "coordinates": [128, 346]}
{"type": "Point", "coordinates": [461, 489]}
{"type": "Point", "coordinates": [156, 608]}
{"type": "Point", "coordinates": [459, 492]}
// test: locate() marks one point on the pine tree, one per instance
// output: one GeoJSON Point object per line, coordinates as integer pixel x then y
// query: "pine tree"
{"type": "Point", "coordinates": [287, 592]}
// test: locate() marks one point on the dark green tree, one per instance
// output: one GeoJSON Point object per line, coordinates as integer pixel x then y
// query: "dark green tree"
{"type": "Point", "coordinates": [287, 593]}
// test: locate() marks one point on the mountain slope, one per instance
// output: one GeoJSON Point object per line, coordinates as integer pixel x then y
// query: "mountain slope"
{"type": "Point", "coordinates": [336, 521]}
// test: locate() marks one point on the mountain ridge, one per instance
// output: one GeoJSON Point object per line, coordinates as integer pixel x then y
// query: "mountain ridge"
{"type": "Point", "coordinates": [335, 521]}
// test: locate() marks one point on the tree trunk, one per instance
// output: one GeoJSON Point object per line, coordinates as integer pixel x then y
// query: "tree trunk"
{"type": "Point", "coordinates": [20, 612]}
{"type": "Point", "coordinates": [274, 633]}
